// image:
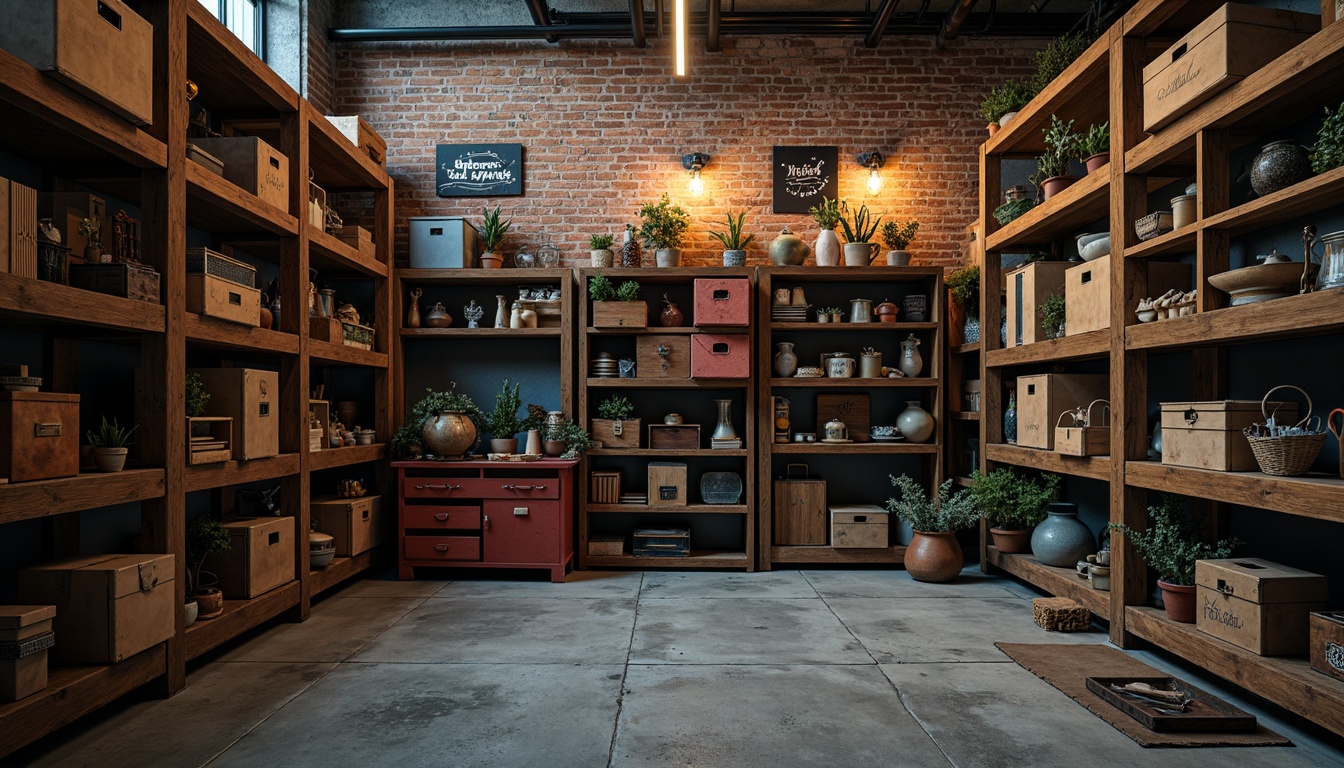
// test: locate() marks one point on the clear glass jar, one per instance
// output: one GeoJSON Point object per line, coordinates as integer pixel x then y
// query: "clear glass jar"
{"type": "Point", "coordinates": [524, 259]}
{"type": "Point", "coordinates": [548, 256]}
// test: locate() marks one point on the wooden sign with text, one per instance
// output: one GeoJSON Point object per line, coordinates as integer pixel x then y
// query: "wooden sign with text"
{"type": "Point", "coordinates": [803, 176]}
{"type": "Point", "coordinates": [479, 170]}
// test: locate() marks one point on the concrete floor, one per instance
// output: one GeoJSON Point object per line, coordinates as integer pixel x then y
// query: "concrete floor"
{"type": "Point", "coordinates": [788, 668]}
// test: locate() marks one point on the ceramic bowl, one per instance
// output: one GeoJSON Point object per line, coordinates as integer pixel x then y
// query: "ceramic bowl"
{"type": "Point", "coordinates": [1261, 282]}
{"type": "Point", "coordinates": [1094, 246]}
{"type": "Point", "coordinates": [1147, 315]}
{"type": "Point", "coordinates": [883, 431]}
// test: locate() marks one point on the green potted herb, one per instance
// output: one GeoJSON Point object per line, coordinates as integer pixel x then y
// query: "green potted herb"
{"type": "Point", "coordinates": [1052, 168]}
{"type": "Point", "coordinates": [734, 244]}
{"type": "Point", "coordinates": [493, 231]}
{"type": "Point", "coordinates": [828, 216]}
{"type": "Point", "coordinates": [110, 443]}
{"type": "Point", "coordinates": [446, 421]}
{"type": "Point", "coordinates": [503, 423]}
{"type": "Point", "coordinates": [600, 254]}
{"type": "Point", "coordinates": [197, 398]}
{"type": "Point", "coordinates": [963, 291]}
{"type": "Point", "coordinates": [1003, 102]}
{"type": "Point", "coordinates": [933, 554]}
{"type": "Point", "coordinates": [1056, 57]}
{"type": "Point", "coordinates": [663, 228]}
{"type": "Point", "coordinates": [859, 230]}
{"type": "Point", "coordinates": [1015, 503]}
{"type": "Point", "coordinates": [896, 235]}
{"type": "Point", "coordinates": [616, 307]}
{"type": "Point", "coordinates": [1094, 147]}
{"type": "Point", "coordinates": [614, 426]}
{"type": "Point", "coordinates": [205, 537]}
{"type": "Point", "coordinates": [575, 440]}
{"type": "Point", "coordinates": [1328, 153]}
{"type": "Point", "coordinates": [1052, 316]}
{"type": "Point", "coordinates": [1171, 545]}
{"type": "Point", "coordinates": [829, 315]}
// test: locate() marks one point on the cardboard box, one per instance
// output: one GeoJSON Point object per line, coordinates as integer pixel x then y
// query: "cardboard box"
{"type": "Point", "coordinates": [1207, 435]}
{"type": "Point", "coordinates": [253, 165]}
{"type": "Point", "coordinates": [1254, 604]}
{"type": "Point", "coordinates": [211, 296]}
{"type": "Point", "coordinates": [251, 398]}
{"type": "Point", "coordinates": [674, 437]}
{"type": "Point", "coordinates": [722, 301]}
{"type": "Point", "coordinates": [799, 509]}
{"type": "Point", "coordinates": [1087, 291]}
{"type": "Point", "coordinates": [606, 545]}
{"type": "Point", "coordinates": [667, 484]}
{"type": "Point", "coordinates": [260, 556]}
{"type": "Point", "coordinates": [663, 357]}
{"type": "Point", "coordinates": [362, 135]}
{"type": "Point", "coordinates": [129, 281]}
{"type": "Point", "coordinates": [606, 487]}
{"type": "Point", "coordinates": [720, 356]}
{"type": "Point", "coordinates": [1043, 398]}
{"type": "Point", "coordinates": [100, 48]}
{"type": "Point", "coordinates": [18, 227]}
{"type": "Point", "coordinates": [1235, 41]}
{"type": "Point", "coordinates": [859, 526]}
{"type": "Point", "coordinates": [442, 242]}
{"type": "Point", "coordinates": [616, 434]}
{"type": "Point", "coordinates": [1027, 288]}
{"type": "Point", "coordinates": [620, 314]}
{"type": "Point", "coordinates": [108, 607]}
{"type": "Point", "coordinates": [356, 524]}
{"type": "Point", "coordinates": [25, 636]}
{"type": "Point", "coordinates": [1327, 643]}
{"type": "Point", "coordinates": [39, 435]}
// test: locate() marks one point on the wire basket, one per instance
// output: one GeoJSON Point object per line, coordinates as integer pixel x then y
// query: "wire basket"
{"type": "Point", "coordinates": [1285, 455]}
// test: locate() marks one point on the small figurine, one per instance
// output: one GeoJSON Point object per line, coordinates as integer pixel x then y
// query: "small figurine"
{"type": "Point", "coordinates": [473, 312]}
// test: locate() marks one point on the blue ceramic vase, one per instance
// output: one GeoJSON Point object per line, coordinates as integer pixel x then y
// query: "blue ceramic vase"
{"type": "Point", "coordinates": [1062, 540]}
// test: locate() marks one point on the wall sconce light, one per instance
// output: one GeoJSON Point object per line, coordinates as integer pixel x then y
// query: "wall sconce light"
{"type": "Point", "coordinates": [693, 163]}
{"type": "Point", "coordinates": [872, 161]}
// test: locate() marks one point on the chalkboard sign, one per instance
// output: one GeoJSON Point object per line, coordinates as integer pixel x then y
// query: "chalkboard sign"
{"type": "Point", "coordinates": [479, 170]}
{"type": "Point", "coordinates": [803, 176]}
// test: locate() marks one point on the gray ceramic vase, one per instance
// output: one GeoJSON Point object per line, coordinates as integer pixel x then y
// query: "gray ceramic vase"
{"type": "Point", "coordinates": [1279, 165]}
{"type": "Point", "coordinates": [1062, 540]}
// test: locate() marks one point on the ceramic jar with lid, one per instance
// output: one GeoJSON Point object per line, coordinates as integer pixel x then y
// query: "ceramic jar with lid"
{"type": "Point", "coordinates": [886, 312]}
{"type": "Point", "coordinates": [835, 431]}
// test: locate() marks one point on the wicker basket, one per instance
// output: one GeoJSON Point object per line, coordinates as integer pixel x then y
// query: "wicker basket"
{"type": "Point", "coordinates": [1153, 225]}
{"type": "Point", "coordinates": [1290, 455]}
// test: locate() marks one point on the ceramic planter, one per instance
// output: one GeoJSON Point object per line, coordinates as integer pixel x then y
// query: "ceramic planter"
{"type": "Point", "coordinates": [735, 258]}
{"type": "Point", "coordinates": [667, 257]}
{"type": "Point", "coordinates": [1012, 541]}
{"type": "Point", "coordinates": [321, 550]}
{"type": "Point", "coordinates": [1061, 541]}
{"type": "Point", "coordinates": [1183, 211]}
{"type": "Point", "coordinates": [934, 556]}
{"type": "Point", "coordinates": [491, 260]}
{"type": "Point", "coordinates": [553, 447]}
{"type": "Point", "coordinates": [1279, 165]}
{"type": "Point", "coordinates": [189, 613]}
{"type": "Point", "coordinates": [503, 445]}
{"type": "Point", "coordinates": [1179, 601]}
{"type": "Point", "coordinates": [1097, 162]}
{"type": "Point", "coordinates": [827, 248]}
{"type": "Point", "coordinates": [898, 258]}
{"type": "Point", "coordinates": [993, 128]}
{"type": "Point", "coordinates": [1056, 184]}
{"type": "Point", "coordinates": [110, 459]}
{"type": "Point", "coordinates": [788, 249]}
{"type": "Point", "coordinates": [449, 435]}
{"type": "Point", "coordinates": [209, 602]}
{"type": "Point", "coordinates": [601, 257]}
{"type": "Point", "coordinates": [858, 254]}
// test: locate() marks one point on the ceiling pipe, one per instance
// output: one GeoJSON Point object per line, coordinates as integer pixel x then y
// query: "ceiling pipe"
{"type": "Point", "coordinates": [402, 34]}
{"type": "Point", "coordinates": [713, 11]}
{"type": "Point", "coordinates": [541, 16]}
{"type": "Point", "coordinates": [880, 22]}
{"type": "Point", "coordinates": [659, 17]}
{"type": "Point", "coordinates": [952, 22]}
{"type": "Point", "coordinates": [637, 23]}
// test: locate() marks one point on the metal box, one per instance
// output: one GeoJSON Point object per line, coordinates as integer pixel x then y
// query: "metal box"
{"type": "Point", "coordinates": [39, 435]}
{"type": "Point", "coordinates": [722, 301]}
{"type": "Point", "coordinates": [1254, 604]}
{"type": "Point", "coordinates": [442, 242]}
{"type": "Point", "coordinates": [260, 556]}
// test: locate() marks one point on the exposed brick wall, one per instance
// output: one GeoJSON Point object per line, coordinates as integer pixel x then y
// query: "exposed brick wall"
{"type": "Point", "coordinates": [605, 125]}
{"type": "Point", "coordinates": [319, 70]}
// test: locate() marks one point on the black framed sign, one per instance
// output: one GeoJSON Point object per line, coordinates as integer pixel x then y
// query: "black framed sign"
{"type": "Point", "coordinates": [479, 170]}
{"type": "Point", "coordinates": [803, 176]}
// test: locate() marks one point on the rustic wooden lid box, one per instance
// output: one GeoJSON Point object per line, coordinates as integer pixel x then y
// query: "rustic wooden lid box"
{"type": "Point", "coordinates": [1327, 643]}
{"type": "Point", "coordinates": [25, 637]}
{"type": "Point", "coordinates": [1257, 605]}
{"type": "Point", "coordinates": [260, 556]}
{"type": "Point", "coordinates": [1207, 434]}
{"type": "Point", "coordinates": [39, 435]}
{"type": "Point", "coordinates": [859, 526]}
{"type": "Point", "coordinates": [356, 524]}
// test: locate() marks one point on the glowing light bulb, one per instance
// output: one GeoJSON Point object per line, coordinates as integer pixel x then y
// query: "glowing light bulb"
{"type": "Point", "coordinates": [874, 182]}
{"type": "Point", "coordinates": [680, 22]}
{"type": "Point", "coordinates": [697, 185]}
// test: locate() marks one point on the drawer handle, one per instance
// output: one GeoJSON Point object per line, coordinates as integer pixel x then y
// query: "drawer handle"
{"type": "Point", "coordinates": [441, 516]}
{"type": "Point", "coordinates": [511, 487]}
{"type": "Point", "coordinates": [440, 547]}
{"type": "Point", "coordinates": [432, 487]}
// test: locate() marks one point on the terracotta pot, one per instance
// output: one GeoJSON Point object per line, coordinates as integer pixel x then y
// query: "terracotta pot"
{"type": "Point", "coordinates": [1179, 600]}
{"type": "Point", "coordinates": [1097, 161]}
{"type": "Point", "coordinates": [993, 128]}
{"type": "Point", "coordinates": [1056, 184]}
{"type": "Point", "coordinates": [209, 602]}
{"type": "Point", "coordinates": [503, 445]}
{"type": "Point", "coordinates": [1012, 541]}
{"type": "Point", "coordinates": [110, 459]}
{"type": "Point", "coordinates": [934, 556]}
{"type": "Point", "coordinates": [491, 260]}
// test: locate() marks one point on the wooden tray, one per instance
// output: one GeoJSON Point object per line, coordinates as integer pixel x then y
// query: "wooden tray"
{"type": "Point", "coordinates": [1206, 713]}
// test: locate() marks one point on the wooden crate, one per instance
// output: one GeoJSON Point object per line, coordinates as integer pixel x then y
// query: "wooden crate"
{"type": "Point", "coordinates": [849, 407]}
{"type": "Point", "coordinates": [319, 412]}
{"type": "Point", "coordinates": [260, 556]}
{"type": "Point", "coordinates": [362, 135]}
{"type": "Point", "coordinates": [209, 439]}
{"type": "Point", "coordinates": [1220, 51]}
{"type": "Point", "coordinates": [358, 238]}
{"type": "Point", "coordinates": [1043, 398]}
{"type": "Point", "coordinates": [663, 357]}
{"type": "Point", "coordinates": [205, 159]}
{"type": "Point", "coordinates": [18, 227]}
{"type": "Point", "coordinates": [129, 281]}
{"type": "Point", "coordinates": [39, 435]}
{"type": "Point", "coordinates": [606, 545]}
{"type": "Point", "coordinates": [358, 336]}
{"type": "Point", "coordinates": [722, 301]}
{"type": "Point", "coordinates": [1083, 441]}
{"type": "Point", "coordinates": [620, 314]}
{"type": "Point", "coordinates": [25, 636]}
{"type": "Point", "coordinates": [253, 165]}
{"type": "Point", "coordinates": [616, 434]}
{"type": "Point", "coordinates": [210, 296]}
{"type": "Point", "coordinates": [674, 437]}
{"type": "Point", "coordinates": [606, 486]}
{"type": "Point", "coordinates": [356, 524]}
{"type": "Point", "coordinates": [799, 509]}
{"type": "Point", "coordinates": [1087, 291]}
{"type": "Point", "coordinates": [203, 261]}
{"type": "Point", "coordinates": [1327, 643]}
{"type": "Point", "coordinates": [250, 397]}
{"type": "Point", "coordinates": [667, 484]}
{"type": "Point", "coordinates": [1207, 435]}
{"type": "Point", "coordinates": [859, 526]}
{"type": "Point", "coordinates": [1060, 614]}
{"type": "Point", "coordinates": [720, 356]}
{"type": "Point", "coordinates": [1257, 605]}
{"type": "Point", "coordinates": [1027, 288]}
{"type": "Point", "coordinates": [327, 329]}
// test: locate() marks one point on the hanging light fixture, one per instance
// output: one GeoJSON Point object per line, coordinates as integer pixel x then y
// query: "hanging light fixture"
{"type": "Point", "coordinates": [679, 25]}
{"type": "Point", "coordinates": [872, 161]}
{"type": "Point", "coordinates": [693, 163]}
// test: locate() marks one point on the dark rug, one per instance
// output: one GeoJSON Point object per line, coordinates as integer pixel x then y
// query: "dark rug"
{"type": "Point", "coordinates": [1067, 668]}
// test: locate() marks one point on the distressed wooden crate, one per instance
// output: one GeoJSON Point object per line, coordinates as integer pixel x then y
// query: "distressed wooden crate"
{"type": "Point", "coordinates": [605, 486]}
{"type": "Point", "coordinates": [620, 314]}
{"type": "Point", "coordinates": [616, 434]}
{"type": "Point", "coordinates": [799, 514]}
{"type": "Point", "coordinates": [1027, 288]}
{"type": "Point", "coordinates": [358, 336]}
{"type": "Point", "coordinates": [129, 281]}
{"type": "Point", "coordinates": [260, 556]}
{"type": "Point", "coordinates": [667, 484]}
{"type": "Point", "coordinates": [674, 437]}
{"type": "Point", "coordinates": [1043, 398]}
{"type": "Point", "coordinates": [1327, 643]}
{"type": "Point", "coordinates": [214, 297]}
{"type": "Point", "coordinates": [25, 636]}
{"type": "Point", "coordinates": [663, 357]}
{"type": "Point", "coordinates": [606, 545]}
{"type": "Point", "coordinates": [1207, 434]}
{"type": "Point", "coordinates": [859, 526]}
{"type": "Point", "coordinates": [1258, 605]}
{"type": "Point", "coordinates": [253, 165]}
{"type": "Point", "coordinates": [355, 524]}
{"type": "Point", "coordinates": [1087, 291]}
{"type": "Point", "coordinates": [1060, 614]}
{"type": "Point", "coordinates": [39, 435]}
{"type": "Point", "coordinates": [209, 439]}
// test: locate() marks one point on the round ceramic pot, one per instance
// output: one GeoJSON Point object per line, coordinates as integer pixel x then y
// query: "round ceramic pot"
{"type": "Point", "coordinates": [858, 254]}
{"type": "Point", "coordinates": [110, 459]}
{"type": "Point", "coordinates": [788, 249]}
{"type": "Point", "coordinates": [504, 445]}
{"type": "Point", "coordinates": [601, 257]}
{"type": "Point", "coordinates": [209, 602]}
{"type": "Point", "coordinates": [915, 422]}
{"type": "Point", "coordinates": [189, 613]}
{"type": "Point", "coordinates": [1061, 541]}
{"type": "Point", "coordinates": [667, 257]}
{"type": "Point", "coordinates": [438, 317]}
{"type": "Point", "coordinates": [827, 249]}
{"type": "Point", "coordinates": [785, 362]}
{"type": "Point", "coordinates": [1183, 211]}
{"type": "Point", "coordinates": [1179, 601]}
{"type": "Point", "coordinates": [553, 447]}
{"type": "Point", "coordinates": [735, 258]}
{"type": "Point", "coordinates": [840, 368]}
{"type": "Point", "coordinates": [1003, 121]}
{"type": "Point", "coordinates": [491, 260]}
{"type": "Point", "coordinates": [449, 435]}
{"type": "Point", "coordinates": [1279, 165]}
{"type": "Point", "coordinates": [321, 549]}
{"type": "Point", "coordinates": [970, 330]}
{"type": "Point", "coordinates": [1013, 541]}
{"type": "Point", "coordinates": [898, 258]}
{"type": "Point", "coordinates": [934, 556]}
{"type": "Point", "coordinates": [1056, 184]}
{"type": "Point", "coordinates": [1097, 162]}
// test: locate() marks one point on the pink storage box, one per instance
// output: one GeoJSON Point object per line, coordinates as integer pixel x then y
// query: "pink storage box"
{"type": "Point", "coordinates": [722, 301]}
{"type": "Point", "coordinates": [720, 356]}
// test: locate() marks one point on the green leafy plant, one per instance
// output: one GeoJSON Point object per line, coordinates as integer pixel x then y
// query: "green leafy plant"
{"type": "Point", "coordinates": [406, 438]}
{"type": "Point", "coordinates": [574, 437]}
{"type": "Point", "coordinates": [536, 418]}
{"type": "Point", "coordinates": [91, 230]}
{"type": "Point", "coordinates": [1061, 146]}
{"type": "Point", "coordinates": [600, 242]}
{"type": "Point", "coordinates": [410, 433]}
{"type": "Point", "coordinates": [965, 287]}
{"type": "Point", "coordinates": [827, 215]}
{"type": "Point", "coordinates": [665, 223]}
{"type": "Point", "coordinates": [1057, 56]}
{"type": "Point", "coordinates": [493, 229]}
{"type": "Point", "coordinates": [1095, 141]}
{"type": "Point", "coordinates": [205, 537]}
{"type": "Point", "coordinates": [1014, 500]}
{"type": "Point", "coordinates": [197, 397]}
{"type": "Point", "coordinates": [896, 235]}
{"type": "Point", "coordinates": [503, 422]}
{"type": "Point", "coordinates": [615, 408]}
{"type": "Point", "coordinates": [945, 513]}
{"type": "Point", "coordinates": [1171, 545]}
{"type": "Point", "coordinates": [110, 435]}
{"type": "Point", "coordinates": [1013, 208]}
{"type": "Point", "coordinates": [1329, 150]}
{"type": "Point", "coordinates": [601, 289]}
{"type": "Point", "coordinates": [1002, 99]}
{"type": "Point", "coordinates": [863, 226]}
{"type": "Point", "coordinates": [627, 291]}
{"type": "Point", "coordinates": [1052, 315]}
{"type": "Point", "coordinates": [732, 239]}
{"type": "Point", "coordinates": [830, 311]}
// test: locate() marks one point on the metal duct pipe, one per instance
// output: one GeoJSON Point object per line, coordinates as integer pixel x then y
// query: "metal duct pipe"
{"type": "Point", "coordinates": [956, 16]}
{"type": "Point", "coordinates": [480, 33]}
{"type": "Point", "coordinates": [540, 16]}
{"type": "Point", "coordinates": [713, 10]}
{"type": "Point", "coordinates": [880, 21]}
{"type": "Point", "coordinates": [637, 22]}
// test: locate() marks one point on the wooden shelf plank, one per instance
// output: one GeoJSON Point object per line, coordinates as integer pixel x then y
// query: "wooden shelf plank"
{"type": "Point", "coordinates": [339, 354]}
{"type": "Point", "coordinates": [852, 383]}
{"type": "Point", "coordinates": [689, 509]}
{"type": "Point", "coordinates": [1095, 467]}
{"type": "Point", "coordinates": [337, 163]}
{"type": "Point", "coordinates": [40, 498]}
{"type": "Point", "coordinates": [966, 349]}
{"type": "Point", "coordinates": [1061, 582]}
{"type": "Point", "coordinates": [1317, 496]}
{"type": "Point", "coordinates": [854, 448]}
{"type": "Point", "coordinates": [218, 205]}
{"type": "Point", "coordinates": [656, 452]}
{"type": "Point", "coordinates": [339, 570]}
{"type": "Point", "coordinates": [649, 331]}
{"type": "Point", "coordinates": [231, 78]}
{"type": "Point", "coordinates": [697, 559]}
{"type": "Point", "coordinates": [206, 476]}
{"type": "Point", "coordinates": [823, 554]}
{"type": "Point", "coordinates": [1084, 346]}
{"type": "Point", "coordinates": [1079, 92]}
{"type": "Point", "coordinates": [1289, 682]}
{"type": "Point", "coordinates": [1302, 199]}
{"type": "Point", "coordinates": [855, 327]}
{"type": "Point", "coordinates": [218, 334]}
{"type": "Point", "coordinates": [669, 383]}
{"type": "Point", "coordinates": [239, 616]}
{"type": "Point", "coordinates": [1303, 315]}
{"type": "Point", "coordinates": [813, 274]}
{"type": "Point", "coordinates": [1177, 241]}
{"type": "Point", "coordinates": [1077, 206]}
{"type": "Point", "coordinates": [511, 276]}
{"type": "Point", "coordinates": [963, 482]}
{"type": "Point", "coordinates": [965, 415]}
{"type": "Point", "coordinates": [331, 458]}
{"type": "Point", "coordinates": [496, 333]}
{"type": "Point", "coordinates": [327, 254]}
{"type": "Point", "coordinates": [34, 302]}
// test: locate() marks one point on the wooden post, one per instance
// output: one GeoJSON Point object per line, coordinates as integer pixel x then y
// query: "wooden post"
{"type": "Point", "coordinates": [991, 315]}
{"type": "Point", "coordinates": [295, 489]}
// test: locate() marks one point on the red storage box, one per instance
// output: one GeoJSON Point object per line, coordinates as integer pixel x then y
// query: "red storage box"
{"type": "Point", "coordinates": [722, 301]}
{"type": "Point", "coordinates": [720, 356]}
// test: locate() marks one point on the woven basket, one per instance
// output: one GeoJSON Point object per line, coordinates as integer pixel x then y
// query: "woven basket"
{"type": "Point", "coordinates": [1288, 456]}
{"type": "Point", "coordinates": [1153, 225]}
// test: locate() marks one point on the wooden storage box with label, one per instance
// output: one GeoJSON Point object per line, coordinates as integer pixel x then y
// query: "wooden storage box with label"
{"type": "Point", "coordinates": [1207, 435]}
{"type": "Point", "coordinates": [260, 556]}
{"type": "Point", "coordinates": [253, 165]}
{"type": "Point", "coordinates": [39, 435]}
{"type": "Point", "coordinates": [1027, 288]}
{"type": "Point", "coordinates": [722, 301]}
{"type": "Point", "coordinates": [129, 281]}
{"type": "Point", "coordinates": [108, 607]}
{"type": "Point", "coordinates": [251, 398]}
{"type": "Point", "coordinates": [720, 356]}
{"type": "Point", "coordinates": [326, 329]}
{"type": "Point", "coordinates": [620, 314]}
{"type": "Point", "coordinates": [358, 238]}
{"type": "Point", "coordinates": [674, 437]}
{"type": "Point", "coordinates": [610, 433]}
{"type": "Point", "coordinates": [606, 487]}
{"type": "Point", "coordinates": [1043, 398]}
{"type": "Point", "coordinates": [667, 484]}
{"type": "Point", "coordinates": [18, 228]}
{"type": "Point", "coordinates": [859, 526]}
{"type": "Point", "coordinates": [1327, 643]}
{"type": "Point", "coordinates": [1220, 51]}
{"type": "Point", "coordinates": [214, 297]}
{"type": "Point", "coordinates": [1087, 291]}
{"type": "Point", "coordinates": [25, 636]}
{"type": "Point", "coordinates": [362, 135]}
{"type": "Point", "coordinates": [356, 524]}
{"type": "Point", "coordinates": [1254, 604]}
{"type": "Point", "coordinates": [799, 508]}
{"type": "Point", "coordinates": [663, 357]}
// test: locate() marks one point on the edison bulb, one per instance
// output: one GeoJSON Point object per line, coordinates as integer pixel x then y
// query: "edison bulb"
{"type": "Point", "coordinates": [697, 185]}
{"type": "Point", "coordinates": [874, 182]}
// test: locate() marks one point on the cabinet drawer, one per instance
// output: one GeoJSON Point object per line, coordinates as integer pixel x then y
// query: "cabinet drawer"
{"type": "Point", "coordinates": [478, 488]}
{"type": "Point", "coordinates": [431, 516]}
{"type": "Point", "coordinates": [443, 548]}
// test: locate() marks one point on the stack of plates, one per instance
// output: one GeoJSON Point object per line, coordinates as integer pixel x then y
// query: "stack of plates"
{"type": "Point", "coordinates": [604, 367]}
{"type": "Point", "coordinates": [785, 313]}
{"type": "Point", "coordinates": [634, 498]}
{"type": "Point", "coordinates": [20, 383]}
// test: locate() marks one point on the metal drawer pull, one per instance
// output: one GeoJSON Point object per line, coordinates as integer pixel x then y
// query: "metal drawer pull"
{"type": "Point", "coordinates": [441, 516]}
{"type": "Point", "coordinates": [523, 487]}
{"type": "Point", "coordinates": [440, 547]}
{"type": "Point", "coordinates": [432, 487]}
{"type": "Point", "coordinates": [487, 522]}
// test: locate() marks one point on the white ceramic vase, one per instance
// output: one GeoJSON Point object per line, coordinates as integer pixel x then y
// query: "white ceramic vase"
{"type": "Point", "coordinates": [915, 422]}
{"type": "Point", "coordinates": [827, 249]}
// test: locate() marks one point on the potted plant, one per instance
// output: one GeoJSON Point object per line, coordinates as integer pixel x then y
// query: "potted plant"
{"type": "Point", "coordinates": [963, 290]}
{"type": "Point", "coordinates": [1052, 316]}
{"type": "Point", "coordinates": [896, 235]}
{"type": "Point", "coordinates": [1052, 168]}
{"type": "Point", "coordinates": [493, 232]}
{"type": "Point", "coordinates": [614, 427]}
{"type": "Point", "coordinates": [1170, 545]}
{"type": "Point", "coordinates": [503, 423]}
{"type": "Point", "coordinates": [575, 440]}
{"type": "Point", "coordinates": [92, 232]}
{"type": "Point", "coordinates": [205, 537]}
{"type": "Point", "coordinates": [600, 254]}
{"type": "Point", "coordinates": [407, 440]}
{"type": "Point", "coordinates": [734, 244]}
{"type": "Point", "coordinates": [616, 306]}
{"type": "Point", "coordinates": [109, 445]}
{"type": "Point", "coordinates": [1328, 153]}
{"type": "Point", "coordinates": [859, 231]}
{"type": "Point", "coordinates": [197, 398]}
{"type": "Point", "coordinates": [933, 554]}
{"type": "Point", "coordinates": [664, 226]}
{"type": "Point", "coordinates": [1015, 503]}
{"type": "Point", "coordinates": [1003, 102]}
{"type": "Point", "coordinates": [827, 248]}
{"type": "Point", "coordinates": [1094, 147]}
{"type": "Point", "coordinates": [446, 421]}
{"type": "Point", "coordinates": [1056, 57]}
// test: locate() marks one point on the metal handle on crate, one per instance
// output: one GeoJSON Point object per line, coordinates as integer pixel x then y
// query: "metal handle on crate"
{"type": "Point", "coordinates": [1086, 415]}
{"type": "Point", "coordinates": [511, 487]}
{"type": "Point", "coordinates": [433, 487]}
{"type": "Point", "coordinates": [1264, 401]}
